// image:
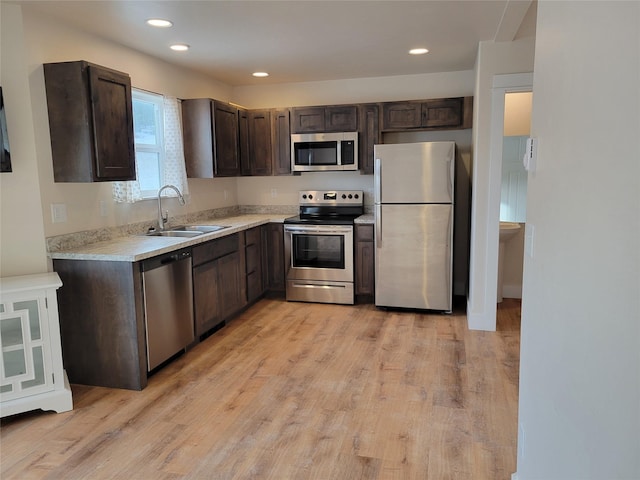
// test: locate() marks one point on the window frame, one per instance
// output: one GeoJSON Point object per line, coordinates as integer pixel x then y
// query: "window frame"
{"type": "Point", "coordinates": [138, 95]}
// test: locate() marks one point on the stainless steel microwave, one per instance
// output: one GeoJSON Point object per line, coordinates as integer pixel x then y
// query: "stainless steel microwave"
{"type": "Point", "coordinates": [324, 151]}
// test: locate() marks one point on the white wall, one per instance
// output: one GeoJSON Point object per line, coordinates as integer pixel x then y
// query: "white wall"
{"type": "Point", "coordinates": [579, 409]}
{"type": "Point", "coordinates": [493, 59]}
{"type": "Point", "coordinates": [22, 244]}
{"type": "Point", "coordinates": [361, 90]}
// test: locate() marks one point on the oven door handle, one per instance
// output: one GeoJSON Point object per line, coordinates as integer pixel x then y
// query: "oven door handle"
{"type": "Point", "coordinates": [317, 229]}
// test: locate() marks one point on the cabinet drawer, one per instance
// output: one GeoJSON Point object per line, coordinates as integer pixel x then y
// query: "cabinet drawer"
{"type": "Point", "coordinates": [215, 249]}
{"type": "Point", "coordinates": [252, 236]}
{"type": "Point", "coordinates": [364, 233]}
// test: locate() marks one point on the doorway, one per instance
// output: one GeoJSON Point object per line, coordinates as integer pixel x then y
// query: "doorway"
{"type": "Point", "coordinates": [513, 193]}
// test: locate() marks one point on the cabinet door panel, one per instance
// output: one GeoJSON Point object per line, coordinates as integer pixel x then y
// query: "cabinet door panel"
{"type": "Point", "coordinates": [341, 119]}
{"type": "Point", "coordinates": [198, 137]}
{"type": "Point", "coordinates": [281, 142]}
{"type": "Point", "coordinates": [369, 136]}
{"type": "Point", "coordinates": [229, 279]}
{"type": "Point", "coordinates": [253, 258]}
{"type": "Point", "coordinates": [273, 256]}
{"type": "Point", "coordinates": [442, 113]}
{"type": "Point", "coordinates": [260, 142]}
{"type": "Point", "coordinates": [399, 115]}
{"type": "Point", "coordinates": [365, 260]}
{"type": "Point", "coordinates": [365, 270]}
{"type": "Point", "coordinates": [254, 286]}
{"type": "Point", "coordinates": [205, 297]}
{"type": "Point", "coordinates": [244, 139]}
{"type": "Point", "coordinates": [225, 126]}
{"type": "Point", "coordinates": [113, 141]}
{"type": "Point", "coordinates": [308, 120]}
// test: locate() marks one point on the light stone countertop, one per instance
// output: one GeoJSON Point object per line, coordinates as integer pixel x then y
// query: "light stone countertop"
{"type": "Point", "coordinates": [367, 219]}
{"type": "Point", "coordinates": [133, 248]}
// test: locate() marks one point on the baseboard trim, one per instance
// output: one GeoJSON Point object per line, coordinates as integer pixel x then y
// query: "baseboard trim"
{"type": "Point", "coordinates": [480, 321]}
{"type": "Point", "coordinates": [512, 291]}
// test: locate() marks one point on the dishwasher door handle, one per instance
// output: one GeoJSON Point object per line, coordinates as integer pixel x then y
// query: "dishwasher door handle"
{"type": "Point", "coordinates": [169, 259]}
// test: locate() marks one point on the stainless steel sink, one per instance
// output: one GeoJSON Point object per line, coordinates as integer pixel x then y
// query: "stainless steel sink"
{"type": "Point", "coordinates": [187, 231]}
{"type": "Point", "coordinates": [201, 228]}
{"type": "Point", "coordinates": [174, 233]}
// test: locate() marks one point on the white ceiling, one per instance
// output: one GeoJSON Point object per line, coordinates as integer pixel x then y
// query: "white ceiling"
{"type": "Point", "coordinates": [299, 41]}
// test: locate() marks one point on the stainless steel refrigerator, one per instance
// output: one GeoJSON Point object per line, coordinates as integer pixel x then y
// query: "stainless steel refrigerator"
{"type": "Point", "coordinates": [414, 187]}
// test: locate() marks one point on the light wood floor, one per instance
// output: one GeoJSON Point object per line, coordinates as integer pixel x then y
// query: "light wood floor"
{"type": "Point", "coordinates": [297, 391]}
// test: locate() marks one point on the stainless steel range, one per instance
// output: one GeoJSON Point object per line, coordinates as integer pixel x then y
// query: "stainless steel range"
{"type": "Point", "coordinates": [318, 246]}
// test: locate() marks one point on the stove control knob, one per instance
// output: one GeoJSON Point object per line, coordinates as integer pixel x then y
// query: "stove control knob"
{"type": "Point", "coordinates": [304, 196]}
{"type": "Point", "coordinates": [350, 196]}
{"type": "Point", "coordinates": [356, 196]}
{"type": "Point", "coordinates": [310, 197]}
{"type": "Point", "coordinates": [344, 196]}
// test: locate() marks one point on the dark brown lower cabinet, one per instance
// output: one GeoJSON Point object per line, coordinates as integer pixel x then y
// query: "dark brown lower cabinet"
{"type": "Point", "coordinates": [101, 309]}
{"type": "Point", "coordinates": [253, 261]}
{"type": "Point", "coordinates": [219, 289]}
{"type": "Point", "coordinates": [273, 257]}
{"type": "Point", "coordinates": [365, 262]}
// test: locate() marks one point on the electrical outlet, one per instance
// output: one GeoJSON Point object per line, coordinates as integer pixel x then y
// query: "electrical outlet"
{"type": "Point", "coordinates": [226, 194]}
{"type": "Point", "coordinates": [103, 208]}
{"type": "Point", "coordinates": [58, 213]}
{"type": "Point", "coordinates": [274, 192]}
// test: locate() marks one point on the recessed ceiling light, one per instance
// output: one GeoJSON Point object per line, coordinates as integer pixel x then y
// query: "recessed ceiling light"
{"type": "Point", "coordinates": [418, 51]}
{"type": "Point", "coordinates": [159, 22]}
{"type": "Point", "coordinates": [180, 47]}
{"type": "Point", "coordinates": [260, 74]}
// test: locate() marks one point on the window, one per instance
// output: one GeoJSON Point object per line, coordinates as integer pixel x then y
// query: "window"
{"type": "Point", "coordinates": [157, 129]}
{"type": "Point", "coordinates": [148, 128]}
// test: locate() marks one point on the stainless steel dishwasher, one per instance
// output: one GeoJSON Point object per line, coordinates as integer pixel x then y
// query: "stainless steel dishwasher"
{"type": "Point", "coordinates": [168, 305]}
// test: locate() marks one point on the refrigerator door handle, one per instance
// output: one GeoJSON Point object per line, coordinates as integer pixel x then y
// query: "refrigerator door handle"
{"type": "Point", "coordinates": [376, 181]}
{"type": "Point", "coordinates": [378, 220]}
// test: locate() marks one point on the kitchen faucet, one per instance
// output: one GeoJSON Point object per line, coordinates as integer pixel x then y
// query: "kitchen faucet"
{"type": "Point", "coordinates": [162, 219]}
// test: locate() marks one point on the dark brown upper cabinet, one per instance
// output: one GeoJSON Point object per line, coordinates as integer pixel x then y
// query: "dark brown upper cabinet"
{"type": "Point", "coordinates": [451, 113]}
{"type": "Point", "coordinates": [281, 141]}
{"type": "Point", "coordinates": [260, 147]}
{"type": "Point", "coordinates": [90, 122]}
{"type": "Point", "coordinates": [368, 136]}
{"type": "Point", "coordinates": [268, 143]}
{"type": "Point", "coordinates": [334, 118]}
{"type": "Point", "coordinates": [211, 138]}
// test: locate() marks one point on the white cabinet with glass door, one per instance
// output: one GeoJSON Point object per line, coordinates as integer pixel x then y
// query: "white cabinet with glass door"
{"type": "Point", "coordinates": [31, 372]}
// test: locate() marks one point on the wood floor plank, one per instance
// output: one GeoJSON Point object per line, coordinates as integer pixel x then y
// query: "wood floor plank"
{"type": "Point", "coordinates": [297, 391]}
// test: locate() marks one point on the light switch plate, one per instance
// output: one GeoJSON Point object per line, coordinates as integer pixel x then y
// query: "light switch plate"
{"type": "Point", "coordinates": [530, 155]}
{"type": "Point", "coordinates": [58, 213]}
